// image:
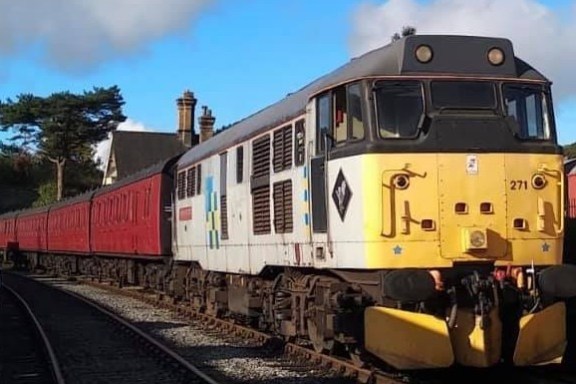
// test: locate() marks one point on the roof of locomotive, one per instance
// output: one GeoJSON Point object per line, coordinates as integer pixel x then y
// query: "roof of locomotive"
{"type": "Point", "coordinates": [453, 55]}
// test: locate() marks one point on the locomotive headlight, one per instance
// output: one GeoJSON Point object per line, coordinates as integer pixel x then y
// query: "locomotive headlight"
{"type": "Point", "coordinates": [538, 181]}
{"type": "Point", "coordinates": [477, 239]}
{"type": "Point", "coordinates": [474, 239]}
{"type": "Point", "coordinates": [423, 53]}
{"type": "Point", "coordinates": [496, 56]}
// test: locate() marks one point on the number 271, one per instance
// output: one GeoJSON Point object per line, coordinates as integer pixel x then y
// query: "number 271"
{"type": "Point", "coordinates": [518, 184]}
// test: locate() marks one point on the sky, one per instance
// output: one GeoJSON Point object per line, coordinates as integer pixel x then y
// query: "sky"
{"type": "Point", "coordinates": [238, 56]}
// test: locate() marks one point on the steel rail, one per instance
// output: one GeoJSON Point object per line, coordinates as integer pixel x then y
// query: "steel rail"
{"type": "Point", "coordinates": [55, 365]}
{"type": "Point", "coordinates": [148, 338]}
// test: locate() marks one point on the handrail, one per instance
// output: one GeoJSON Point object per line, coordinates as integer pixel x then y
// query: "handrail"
{"type": "Point", "coordinates": [392, 200]}
{"type": "Point", "coordinates": [561, 183]}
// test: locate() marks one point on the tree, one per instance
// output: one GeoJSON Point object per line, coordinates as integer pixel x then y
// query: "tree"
{"type": "Point", "coordinates": [406, 31]}
{"type": "Point", "coordinates": [64, 126]}
{"type": "Point", "coordinates": [570, 150]}
{"type": "Point", "coordinates": [46, 194]}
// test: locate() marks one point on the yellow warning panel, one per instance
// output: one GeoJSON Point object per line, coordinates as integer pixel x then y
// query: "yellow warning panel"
{"type": "Point", "coordinates": [407, 340]}
{"type": "Point", "coordinates": [542, 336]}
{"type": "Point", "coordinates": [477, 342]}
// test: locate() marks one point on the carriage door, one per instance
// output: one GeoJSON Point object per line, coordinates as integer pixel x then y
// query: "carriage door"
{"type": "Point", "coordinates": [317, 164]}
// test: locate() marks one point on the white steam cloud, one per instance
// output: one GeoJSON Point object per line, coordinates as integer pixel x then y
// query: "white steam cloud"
{"type": "Point", "coordinates": [541, 36]}
{"type": "Point", "coordinates": [103, 147]}
{"type": "Point", "coordinates": [78, 34]}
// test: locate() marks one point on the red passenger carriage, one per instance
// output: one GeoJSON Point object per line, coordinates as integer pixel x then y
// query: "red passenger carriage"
{"type": "Point", "coordinates": [69, 225]}
{"type": "Point", "coordinates": [31, 230]}
{"type": "Point", "coordinates": [130, 218]}
{"type": "Point", "coordinates": [8, 231]}
{"type": "Point", "coordinates": [570, 169]}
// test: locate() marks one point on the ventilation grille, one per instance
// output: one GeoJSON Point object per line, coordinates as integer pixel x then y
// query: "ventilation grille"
{"type": "Point", "coordinates": [181, 184]}
{"type": "Point", "coordinates": [224, 216]}
{"type": "Point", "coordinates": [283, 222]}
{"type": "Point", "coordinates": [283, 148]}
{"type": "Point", "coordinates": [191, 182]}
{"type": "Point", "coordinates": [261, 210]}
{"type": "Point", "coordinates": [261, 157]}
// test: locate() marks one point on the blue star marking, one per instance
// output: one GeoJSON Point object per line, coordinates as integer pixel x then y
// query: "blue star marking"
{"type": "Point", "coordinates": [545, 247]}
{"type": "Point", "coordinates": [397, 250]}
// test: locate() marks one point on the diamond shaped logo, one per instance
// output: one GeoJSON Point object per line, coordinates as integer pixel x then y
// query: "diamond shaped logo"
{"type": "Point", "coordinates": [341, 194]}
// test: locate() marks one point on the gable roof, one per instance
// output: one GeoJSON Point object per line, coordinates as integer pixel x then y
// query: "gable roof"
{"type": "Point", "coordinates": [134, 151]}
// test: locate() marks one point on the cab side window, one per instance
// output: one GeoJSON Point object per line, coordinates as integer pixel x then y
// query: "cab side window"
{"type": "Point", "coordinates": [323, 120]}
{"type": "Point", "coordinates": [355, 120]}
{"type": "Point", "coordinates": [339, 114]}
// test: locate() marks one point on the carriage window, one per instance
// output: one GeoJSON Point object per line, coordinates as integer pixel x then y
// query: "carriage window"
{"type": "Point", "coordinates": [526, 104]}
{"type": "Point", "coordinates": [399, 108]}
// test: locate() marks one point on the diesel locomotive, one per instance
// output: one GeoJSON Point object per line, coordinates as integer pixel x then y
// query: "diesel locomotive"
{"type": "Point", "coordinates": [407, 208]}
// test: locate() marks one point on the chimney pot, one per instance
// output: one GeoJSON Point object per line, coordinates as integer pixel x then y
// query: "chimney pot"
{"type": "Point", "coordinates": [186, 105]}
{"type": "Point", "coordinates": [206, 122]}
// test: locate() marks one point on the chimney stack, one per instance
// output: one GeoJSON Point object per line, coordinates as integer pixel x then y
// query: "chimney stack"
{"type": "Point", "coordinates": [186, 106]}
{"type": "Point", "coordinates": [206, 122]}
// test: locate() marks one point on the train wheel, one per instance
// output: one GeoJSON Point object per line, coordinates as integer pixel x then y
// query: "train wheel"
{"type": "Point", "coordinates": [316, 333]}
{"type": "Point", "coordinates": [355, 354]}
{"type": "Point", "coordinates": [319, 317]}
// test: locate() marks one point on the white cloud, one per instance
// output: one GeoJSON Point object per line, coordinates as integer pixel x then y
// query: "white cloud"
{"type": "Point", "coordinates": [541, 36]}
{"type": "Point", "coordinates": [76, 34]}
{"type": "Point", "coordinates": [103, 147]}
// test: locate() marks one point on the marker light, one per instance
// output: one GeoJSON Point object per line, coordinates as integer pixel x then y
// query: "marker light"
{"type": "Point", "coordinates": [401, 181]}
{"type": "Point", "coordinates": [495, 56]}
{"type": "Point", "coordinates": [538, 181]}
{"type": "Point", "coordinates": [423, 53]}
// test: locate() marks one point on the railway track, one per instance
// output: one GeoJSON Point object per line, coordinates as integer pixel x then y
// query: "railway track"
{"type": "Point", "coordinates": [94, 345]}
{"type": "Point", "coordinates": [551, 374]}
{"type": "Point", "coordinates": [26, 355]}
{"type": "Point", "coordinates": [545, 374]}
{"type": "Point", "coordinates": [344, 367]}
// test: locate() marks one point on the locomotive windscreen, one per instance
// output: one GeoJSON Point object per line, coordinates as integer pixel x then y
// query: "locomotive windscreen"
{"type": "Point", "coordinates": [463, 95]}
